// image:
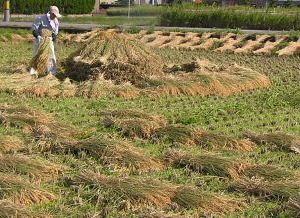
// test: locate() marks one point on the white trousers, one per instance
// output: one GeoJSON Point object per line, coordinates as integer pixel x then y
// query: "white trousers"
{"type": "Point", "coordinates": [52, 65]}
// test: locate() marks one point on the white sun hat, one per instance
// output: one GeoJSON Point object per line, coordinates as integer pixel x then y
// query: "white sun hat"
{"type": "Point", "coordinates": [55, 11]}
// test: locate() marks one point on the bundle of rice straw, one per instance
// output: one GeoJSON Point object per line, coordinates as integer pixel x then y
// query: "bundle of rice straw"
{"type": "Point", "coordinates": [41, 60]}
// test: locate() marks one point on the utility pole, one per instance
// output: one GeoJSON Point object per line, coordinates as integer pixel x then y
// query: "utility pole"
{"type": "Point", "coordinates": [6, 10]}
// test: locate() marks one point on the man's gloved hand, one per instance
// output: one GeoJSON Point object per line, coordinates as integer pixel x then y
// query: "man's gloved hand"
{"type": "Point", "coordinates": [54, 37]}
{"type": "Point", "coordinates": [40, 39]}
{"type": "Point", "coordinates": [35, 33]}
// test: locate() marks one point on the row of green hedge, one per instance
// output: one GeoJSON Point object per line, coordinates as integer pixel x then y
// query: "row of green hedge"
{"type": "Point", "coordinates": [226, 18]}
{"type": "Point", "coordinates": [42, 6]}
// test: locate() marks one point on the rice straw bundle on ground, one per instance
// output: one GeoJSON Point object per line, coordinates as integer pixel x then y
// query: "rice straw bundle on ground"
{"type": "Point", "coordinates": [119, 155]}
{"type": "Point", "coordinates": [10, 144]}
{"type": "Point", "coordinates": [23, 117]}
{"type": "Point", "coordinates": [41, 60]}
{"type": "Point", "coordinates": [10, 210]}
{"type": "Point", "coordinates": [133, 123]}
{"type": "Point", "coordinates": [206, 163]}
{"type": "Point", "coordinates": [137, 192]}
{"type": "Point", "coordinates": [21, 191]}
{"type": "Point", "coordinates": [155, 214]}
{"type": "Point", "coordinates": [207, 203]}
{"type": "Point", "coordinates": [188, 136]}
{"type": "Point", "coordinates": [204, 78]}
{"type": "Point", "coordinates": [280, 190]}
{"type": "Point", "coordinates": [46, 131]}
{"type": "Point", "coordinates": [34, 167]}
{"type": "Point", "coordinates": [116, 57]}
{"type": "Point", "coordinates": [293, 205]}
{"type": "Point", "coordinates": [292, 49]}
{"type": "Point", "coordinates": [280, 141]}
{"type": "Point", "coordinates": [212, 140]}
{"type": "Point", "coordinates": [176, 134]}
{"type": "Point", "coordinates": [267, 172]}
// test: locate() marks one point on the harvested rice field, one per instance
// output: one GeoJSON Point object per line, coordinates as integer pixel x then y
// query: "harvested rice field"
{"type": "Point", "coordinates": [151, 125]}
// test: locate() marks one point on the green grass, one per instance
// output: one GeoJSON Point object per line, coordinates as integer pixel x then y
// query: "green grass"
{"type": "Point", "coordinates": [269, 110]}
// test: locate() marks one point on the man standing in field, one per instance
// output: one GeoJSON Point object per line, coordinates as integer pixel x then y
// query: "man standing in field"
{"type": "Point", "coordinates": [42, 23]}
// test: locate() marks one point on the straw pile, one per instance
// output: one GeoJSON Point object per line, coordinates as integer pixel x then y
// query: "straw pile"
{"type": "Point", "coordinates": [179, 134]}
{"type": "Point", "coordinates": [267, 172]}
{"type": "Point", "coordinates": [10, 210]}
{"type": "Point", "coordinates": [116, 57]}
{"type": "Point", "coordinates": [280, 190]}
{"type": "Point", "coordinates": [137, 192]}
{"type": "Point", "coordinates": [293, 205]}
{"type": "Point", "coordinates": [21, 191]}
{"type": "Point", "coordinates": [143, 192]}
{"type": "Point", "coordinates": [118, 155]}
{"type": "Point", "coordinates": [133, 123]}
{"type": "Point", "coordinates": [34, 167]}
{"type": "Point", "coordinates": [202, 77]}
{"type": "Point", "coordinates": [207, 203]}
{"type": "Point", "coordinates": [10, 144]}
{"type": "Point", "coordinates": [206, 163]}
{"type": "Point", "coordinates": [41, 60]}
{"type": "Point", "coordinates": [279, 141]}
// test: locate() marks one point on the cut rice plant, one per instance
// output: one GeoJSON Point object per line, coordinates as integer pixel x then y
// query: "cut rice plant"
{"type": "Point", "coordinates": [45, 130]}
{"type": "Point", "coordinates": [138, 192]}
{"type": "Point", "coordinates": [119, 155]}
{"type": "Point", "coordinates": [22, 117]}
{"type": "Point", "coordinates": [212, 140]}
{"type": "Point", "coordinates": [22, 192]}
{"type": "Point", "coordinates": [211, 79]}
{"type": "Point", "coordinates": [133, 123]}
{"type": "Point", "coordinates": [34, 167]}
{"type": "Point", "coordinates": [207, 203]}
{"type": "Point", "coordinates": [176, 134]}
{"type": "Point", "coordinates": [10, 144]}
{"type": "Point", "coordinates": [293, 205]}
{"type": "Point", "coordinates": [280, 141]}
{"type": "Point", "coordinates": [41, 60]}
{"type": "Point", "coordinates": [267, 172]}
{"type": "Point", "coordinates": [188, 136]}
{"type": "Point", "coordinates": [10, 210]}
{"type": "Point", "coordinates": [115, 56]}
{"type": "Point", "coordinates": [155, 214]}
{"type": "Point", "coordinates": [206, 163]}
{"type": "Point", "coordinates": [279, 190]}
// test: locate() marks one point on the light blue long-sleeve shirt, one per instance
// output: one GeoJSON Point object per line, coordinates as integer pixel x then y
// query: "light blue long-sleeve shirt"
{"type": "Point", "coordinates": [44, 22]}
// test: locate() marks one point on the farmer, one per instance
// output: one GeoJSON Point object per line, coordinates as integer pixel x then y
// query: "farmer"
{"type": "Point", "coordinates": [50, 22]}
